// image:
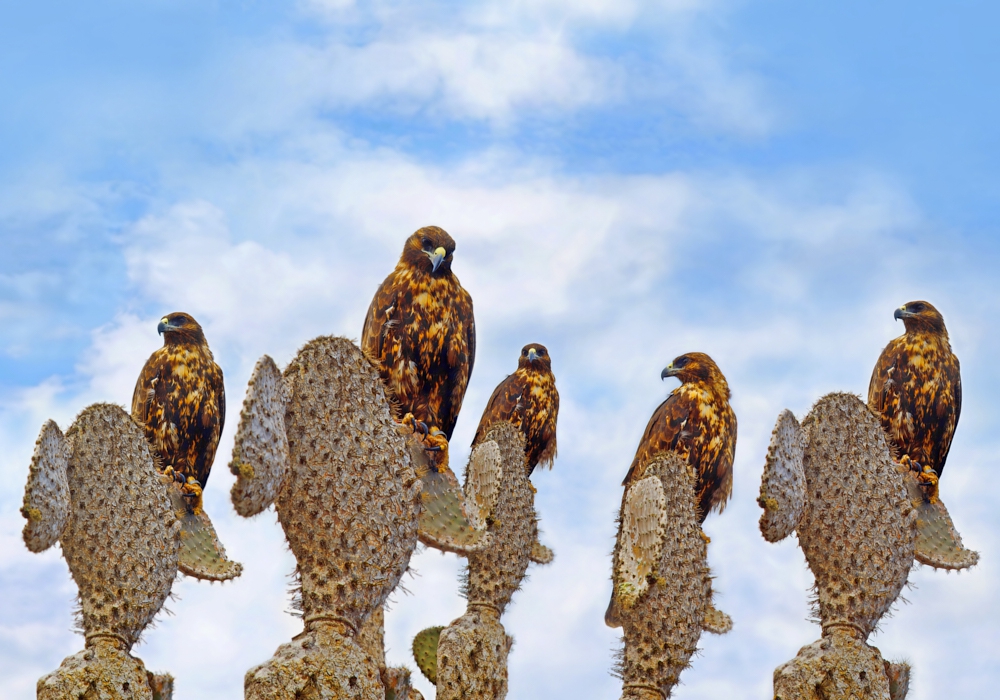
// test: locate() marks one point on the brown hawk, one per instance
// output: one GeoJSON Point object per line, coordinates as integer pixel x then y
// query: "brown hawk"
{"type": "Point", "coordinates": [420, 332]}
{"type": "Point", "coordinates": [528, 399]}
{"type": "Point", "coordinates": [916, 391]}
{"type": "Point", "coordinates": [180, 399]}
{"type": "Point", "coordinates": [697, 422]}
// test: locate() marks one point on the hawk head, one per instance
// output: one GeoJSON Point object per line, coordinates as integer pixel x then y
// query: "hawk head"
{"type": "Point", "coordinates": [920, 316]}
{"type": "Point", "coordinates": [179, 328]}
{"type": "Point", "coordinates": [535, 357]}
{"type": "Point", "coordinates": [430, 250]}
{"type": "Point", "coordinates": [700, 368]}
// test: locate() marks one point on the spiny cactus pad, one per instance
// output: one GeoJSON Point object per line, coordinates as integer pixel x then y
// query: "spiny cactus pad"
{"type": "Point", "coordinates": [482, 484]}
{"type": "Point", "coordinates": [121, 540]}
{"type": "Point", "coordinates": [472, 651]}
{"type": "Point", "coordinates": [716, 621]}
{"type": "Point", "coordinates": [260, 450]}
{"type": "Point", "coordinates": [201, 555]}
{"type": "Point", "coordinates": [662, 625]}
{"type": "Point", "coordinates": [857, 529]}
{"type": "Point", "coordinates": [938, 542]}
{"type": "Point", "coordinates": [783, 485]}
{"type": "Point", "coordinates": [348, 505]}
{"type": "Point", "coordinates": [643, 528]}
{"type": "Point", "coordinates": [540, 554]}
{"type": "Point", "coordinates": [46, 495]}
{"type": "Point", "coordinates": [398, 685]}
{"type": "Point", "coordinates": [425, 650]}
{"type": "Point", "coordinates": [899, 679]}
{"type": "Point", "coordinates": [444, 522]}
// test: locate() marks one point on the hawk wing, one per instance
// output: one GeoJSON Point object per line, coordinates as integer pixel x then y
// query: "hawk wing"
{"type": "Point", "coordinates": [704, 436]}
{"type": "Point", "coordinates": [182, 409]}
{"type": "Point", "coordinates": [504, 404]}
{"type": "Point", "coordinates": [918, 403]}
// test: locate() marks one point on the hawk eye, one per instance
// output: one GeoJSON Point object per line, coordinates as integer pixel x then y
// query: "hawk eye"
{"type": "Point", "coordinates": [917, 308]}
{"type": "Point", "coordinates": [425, 243]}
{"type": "Point", "coordinates": [525, 352]}
{"type": "Point", "coordinates": [681, 362]}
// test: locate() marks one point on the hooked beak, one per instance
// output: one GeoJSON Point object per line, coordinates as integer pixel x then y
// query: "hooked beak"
{"type": "Point", "coordinates": [900, 313]}
{"type": "Point", "coordinates": [162, 326]}
{"type": "Point", "coordinates": [668, 371]}
{"type": "Point", "coordinates": [437, 257]}
{"type": "Point", "coordinates": [532, 355]}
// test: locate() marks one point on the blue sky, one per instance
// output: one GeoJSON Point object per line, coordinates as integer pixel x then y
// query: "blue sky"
{"type": "Point", "coordinates": [764, 181]}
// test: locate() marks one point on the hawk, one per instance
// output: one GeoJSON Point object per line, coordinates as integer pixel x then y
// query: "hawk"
{"type": "Point", "coordinates": [697, 422]}
{"type": "Point", "coordinates": [420, 332]}
{"type": "Point", "coordinates": [916, 391]}
{"type": "Point", "coordinates": [180, 400]}
{"type": "Point", "coordinates": [528, 399]}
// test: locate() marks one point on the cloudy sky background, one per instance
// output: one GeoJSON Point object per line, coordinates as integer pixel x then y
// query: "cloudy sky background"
{"type": "Point", "coordinates": [761, 180]}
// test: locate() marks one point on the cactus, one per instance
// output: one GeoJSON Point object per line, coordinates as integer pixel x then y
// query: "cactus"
{"type": "Point", "coordinates": [348, 500]}
{"type": "Point", "coordinates": [471, 652]}
{"type": "Point", "coordinates": [425, 651]}
{"type": "Point", "coordinates": [858, 521]}
{"type": "Point", "coordinates": [96, 491]}
{"type": "Point", "coordinates": [662, 592]}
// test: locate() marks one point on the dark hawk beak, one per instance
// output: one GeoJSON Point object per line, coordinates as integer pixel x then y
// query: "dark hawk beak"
{"type": "Point", "coordinates": [161, 327]}
{"type": "Point", "coordinates": [900, 313]}
{"type": "Point", "coordinates": [532, 355]}
{"type": "Point", "coordinates": [668, 371]}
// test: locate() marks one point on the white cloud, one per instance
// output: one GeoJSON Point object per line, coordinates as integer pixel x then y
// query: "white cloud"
{"type": "Point", "coordinates": [501, 62]}
{"type": "Point", "coordinates": [791, 291]}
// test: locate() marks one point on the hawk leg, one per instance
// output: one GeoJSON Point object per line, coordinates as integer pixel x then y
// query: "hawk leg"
{"type": "Point", "coordinates": [926, 477]}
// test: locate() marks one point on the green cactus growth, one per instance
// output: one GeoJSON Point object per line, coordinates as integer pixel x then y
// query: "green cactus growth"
{"type": "Point", "coordinates": [425, 652]}
{"type": "Point", "coordinates": [661, 584]}
{"type": "Point", "coordinates": [320, 443]}
{"type": "Point", "coordinates": [96, 492]}
{"type": "Point", "coordinates": [861, 521]}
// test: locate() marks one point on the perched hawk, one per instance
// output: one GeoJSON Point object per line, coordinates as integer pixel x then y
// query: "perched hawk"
{"type": "Point", "coordinates": [181, 401]}
{"type": "Point", "coordinates": [697, 422]}
{"type": "Point", "coordinates": [420, 331]}
{"type": "Point", "coordinates": [916, 390]}
{"type": "Point", "coordinates": [528, 399]}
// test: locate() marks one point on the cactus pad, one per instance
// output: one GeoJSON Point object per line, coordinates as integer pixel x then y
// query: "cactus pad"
{"type": "Point", "coordinates": [444, 522]}
{"type": "Point", "coordinates": [482, 483]}
{"type": "Point", "coordinates": [662, 625]}
{"type": "Point", "coordinates": [121, 540]}
{"type": "Point", "coordinates": [349, 506]}
{"type": "Point", "coordinates": [899, 679]}
{"type": "Point", "coordinates": [938, 543]}
{"type": "Point", "coordinates": [540, 554]}
{"type": "Point", "coordinates": [783, 485]}
{"type": "Point", "coordinates": [716, 621]}
{"type": "Point", "coordinates": [46, 495]}
{"type": "Point", "coordinates": [643, 528]}
{"type": "Point", "coordinates": [260, 450]}
{"type": "Point", "coordinates": [425, 649]}
{"type": "Point", "coordinates": [858, 524]}
{"type": "Point", "coordinates": [201, 556]}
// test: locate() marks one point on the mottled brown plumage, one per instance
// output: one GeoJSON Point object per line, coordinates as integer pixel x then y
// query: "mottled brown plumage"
{"type": "Point", "coordinates": [528, 399]}
{"type": "Point", "coordinates": [420, 331]}
{"type": "Point", "coordinates": [697, 422]}
{"type": "Point", "coordinates": [181, 400]}
{"type": "Point", "coordinates": [916, 387]}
